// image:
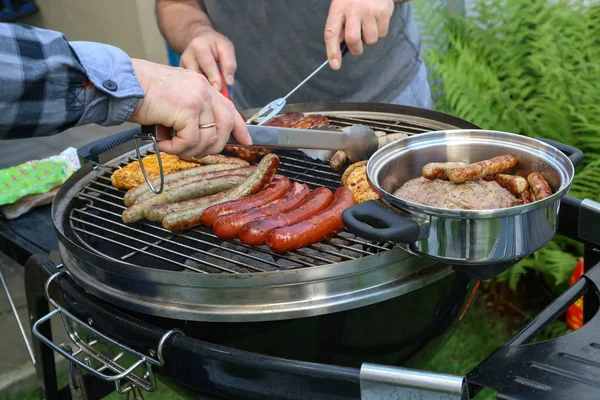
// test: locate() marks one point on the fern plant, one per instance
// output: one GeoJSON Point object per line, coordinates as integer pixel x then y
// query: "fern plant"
{"type": "Point", "coordinates": [529, 67]}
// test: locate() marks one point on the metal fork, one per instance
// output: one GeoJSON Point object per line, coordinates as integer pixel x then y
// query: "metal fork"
{"type": "Point", "coordinates": [274, 107]}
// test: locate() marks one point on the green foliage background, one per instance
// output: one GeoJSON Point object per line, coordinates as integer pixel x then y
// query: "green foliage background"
{"type": "Point", "coordinates": [523, 66]}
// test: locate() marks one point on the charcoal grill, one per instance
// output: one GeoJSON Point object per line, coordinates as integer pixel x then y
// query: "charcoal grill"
{"type": "Point", "coordinates": [342, 306]}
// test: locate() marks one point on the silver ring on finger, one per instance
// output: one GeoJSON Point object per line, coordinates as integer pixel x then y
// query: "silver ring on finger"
{"type": "Point", "coordinates": [207, 126]}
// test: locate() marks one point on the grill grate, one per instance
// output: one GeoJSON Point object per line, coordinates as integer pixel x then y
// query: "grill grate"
{"type": "Point", "coordinates": [96, 222]}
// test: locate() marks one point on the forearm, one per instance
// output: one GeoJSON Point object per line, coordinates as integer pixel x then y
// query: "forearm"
{"type": "Point", "coordinates": [180, 21]}
{"type": "Point", "coordinates": [49, 84]}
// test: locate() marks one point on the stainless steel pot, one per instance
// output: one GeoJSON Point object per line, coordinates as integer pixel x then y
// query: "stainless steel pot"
{"type": "Point", "coordinates": [463, 237]}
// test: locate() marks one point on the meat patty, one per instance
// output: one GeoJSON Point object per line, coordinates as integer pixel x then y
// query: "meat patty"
{"type": "Point", "coordinates": [471, 195]}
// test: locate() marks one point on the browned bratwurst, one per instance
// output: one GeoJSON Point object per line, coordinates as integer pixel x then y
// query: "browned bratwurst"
{"type": "Point", "coordinates": [246, 171]}
{"type": "Point", "coordinates": [481, 169]}
{"type": "Point", "coordinates": [539, 185]}
{"type": "Point", "coordinates": [218, 159]}
{"type": "Point", "coordinates": [438, 170]}
{"type": "Point", "coordinates": [527, 196]}
{"type": "Point", "coordinates": [158, 212]}
{"type": "Point", "coordinates": [133, 193]}
{"type": "Point", "coordinates": [201, 188]}
{"type": "Point", "coordinates": [513, 183]}
{"type": "Point", "coordinates": [191, 217]}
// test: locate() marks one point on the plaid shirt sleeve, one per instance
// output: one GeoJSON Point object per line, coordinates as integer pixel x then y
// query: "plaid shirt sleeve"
{"type": "Point", "coordinates": [49, 84]}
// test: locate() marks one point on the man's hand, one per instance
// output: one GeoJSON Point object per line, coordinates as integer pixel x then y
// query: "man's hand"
{"type": "Point", "coordinates": [355, 21]}
{"type": "Point", "coordinates": [182, 100]}
{"type": "Point", "coordinates": [204, 51]}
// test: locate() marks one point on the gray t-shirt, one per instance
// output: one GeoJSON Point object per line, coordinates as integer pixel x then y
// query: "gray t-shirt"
{"type": "Point", "coordinates": [280, 42]}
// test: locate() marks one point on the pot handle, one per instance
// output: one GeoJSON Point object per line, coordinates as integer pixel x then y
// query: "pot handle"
{"type": "Point", "coordinates": [574, 154]}
{"type": "Point", "coordinates": [373, 221]}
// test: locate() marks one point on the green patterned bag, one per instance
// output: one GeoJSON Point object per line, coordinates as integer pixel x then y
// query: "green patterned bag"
{"type": "Point", "coordinates": [36, 177]}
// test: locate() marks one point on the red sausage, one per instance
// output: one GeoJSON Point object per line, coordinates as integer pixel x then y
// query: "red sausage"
{"type": "Point", "coordinates": [256, 232]}
{"type": "Point", "coordinates": [315, 229]}
{"type": "Point", "coordinates": [229, 226]}
{"type": "Point", "coordinates": [274, 190]}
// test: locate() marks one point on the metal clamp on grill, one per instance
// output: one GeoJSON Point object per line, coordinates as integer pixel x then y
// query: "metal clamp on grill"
{"type": "Point", "coordinates": [149, 133]}
{"type": "Point", "coordinates": [92, 355]}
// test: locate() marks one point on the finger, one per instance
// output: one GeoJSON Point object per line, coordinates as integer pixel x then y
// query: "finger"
{"type": "Point", "coordinates": [208, 65]}
{"type": "Point", "coordinates": [353, 35]}
{"type": "Point", "coordinates": [227, 60]}
{"type": "Point", "coordinates": [370, 33]}
{"type": "Point", "coordinates": [189, 62]}
{"type": "Point", "coordinates": [240, 129]}
{"type": "Point", "coordinates": [383, 25]}
{"type": "Point", "coordinates": [333, 31]}
{"type": "Point", "coordinates": [208, 137]}
{"type": "Point", "coordinates": [223, 117]}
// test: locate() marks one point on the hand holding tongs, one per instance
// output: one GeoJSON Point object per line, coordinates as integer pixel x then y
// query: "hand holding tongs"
{"type": "Point", "coordinates": [149, 133]}
{"type": "Point", "coordinates": [273, 108]}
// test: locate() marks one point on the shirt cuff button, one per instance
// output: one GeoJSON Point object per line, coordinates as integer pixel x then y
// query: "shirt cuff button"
{"type": "Point", "coordinates": [110, 85]}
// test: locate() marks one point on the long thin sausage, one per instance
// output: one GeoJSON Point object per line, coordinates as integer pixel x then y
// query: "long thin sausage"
{"type": "Point", "coordinates": [246, 171]}
{"type": "Point", "coordinates": [315, 229]}
{"type": "Point", "coordinates": [192, 190]}
{"type": "Point", "coordinates": [245, 153]}
{"type": "Point", "coordinates": [481, 169]}
{"type": "Point", "coordinates": [256, 232]}
{"type": "Point", "coordinates": [218, 159]}
{"type": "Point", "coordinates": [539, 185]}
{"type": "Point", "coordinates": [191, 217]}
{"type": "Point", "coordinates": [274, 190]}
{"type": "Point", "coordinates": [229, 226]}
{"type": "Point", "coordinates": [133, 193]}
{"type": "Point", "coordinates": [159, 211]}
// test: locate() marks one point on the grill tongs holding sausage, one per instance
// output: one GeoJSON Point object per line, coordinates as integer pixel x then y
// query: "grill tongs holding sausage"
{"type": "Point", "coordinates": [359, 142]}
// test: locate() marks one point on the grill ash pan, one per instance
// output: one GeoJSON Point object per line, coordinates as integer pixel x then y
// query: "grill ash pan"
{"type": "Point", "coordinates": [463, 237]}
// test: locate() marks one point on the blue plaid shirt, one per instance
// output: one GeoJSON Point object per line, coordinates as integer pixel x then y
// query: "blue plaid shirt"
{"type": "Point", "coordinates": [48, 84]}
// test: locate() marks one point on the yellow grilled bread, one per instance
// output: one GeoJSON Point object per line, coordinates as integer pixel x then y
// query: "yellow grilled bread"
{"type": "Point", "coordinates": [355, 179]}
{"type": "Point", "coordinates": [131, 175]}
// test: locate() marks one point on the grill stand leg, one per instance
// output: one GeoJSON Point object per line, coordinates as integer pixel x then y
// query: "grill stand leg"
{"type": "Point", "coordinates": [590, 300]}
{"type": "Point", "coordinates": [37, 307]}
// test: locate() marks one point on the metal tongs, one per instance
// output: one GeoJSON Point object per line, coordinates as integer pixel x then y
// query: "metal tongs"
{"type": "Point", "coordinates": [274, 107]}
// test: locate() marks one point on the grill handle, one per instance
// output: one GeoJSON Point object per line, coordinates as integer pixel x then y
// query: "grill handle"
{"type": "Point", "coordinates": [574, 154]}
{"type": "Point", "coordinates": [92, 151]}
{"type": "Point", "coordinates": [376, 222]}
{"type": "Point", "coordinates": [134, 382]}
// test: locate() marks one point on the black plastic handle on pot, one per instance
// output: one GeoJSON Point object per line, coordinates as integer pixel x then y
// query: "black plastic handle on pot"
{"type": "Point", "coordinates": [373, 221]}
{"type": "Point", "coordinates": [574, 154]}
{"type": "Point", "coordinates": [92, 151]}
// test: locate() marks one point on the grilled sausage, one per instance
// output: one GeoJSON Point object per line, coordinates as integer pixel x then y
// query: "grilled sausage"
{"type": "Point", "coordinates": [229, 226]}
{"type": "Point", "coordinates": [218, 159]}
{"type": "Point", "coordinates": [192, 190]}
{"type": "Point", "coordinates": [256, 232]}
{"type": "Point", "coordinates": [338, 160]}
{"type": "Point", "coordinates": [133, 193]}
{"type": "Point", "coordinates": [527, 196]}
{"type": "Point", "coordinates": [315, 229]}
{"type": "Point", "coordinates": [481, 169]}
{"type": "Point", "coordinates": [273, 191]}
{"type": "Point", "coordinates": [158, 212]}
{"type": "Point", "coordinates": [191, 217]}
{"type": "Point", "coordinates": [513, 183]}
{"type": "Point", "coordinates": [465, 173]}
{"type": "Point", "coordinates": [436, 170]}
{"type": "Point", "coordinates": [539, 185]}
{"type": "Point", "coordinates": [245, 153]}
{"type": "Point", "coordinates": [246, 171]}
